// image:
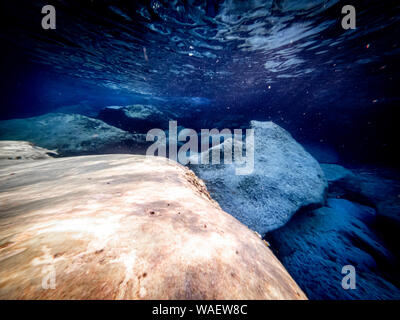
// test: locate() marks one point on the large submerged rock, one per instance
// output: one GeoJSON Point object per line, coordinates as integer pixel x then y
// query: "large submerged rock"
{"type": "Point", "coordinates": [285, 179]}
{"type": "Point", "coordinates": [69, 133]}
{"type": "Point", "coordinates": [23, 150]}
{"type": "Point", "coordinates": [136, 118]}
{"type": "Point", "coordinates": [315, 245]}
{"type": "Point", "coordinates": [375, 187]}
{"type": "Point", "coordinates": [126, 227]}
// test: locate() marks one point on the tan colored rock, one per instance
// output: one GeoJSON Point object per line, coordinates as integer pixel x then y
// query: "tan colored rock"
{"type": "Point", "coordinates": [126, 227]}
{"type": "Point", "coordinates": [23, 150]}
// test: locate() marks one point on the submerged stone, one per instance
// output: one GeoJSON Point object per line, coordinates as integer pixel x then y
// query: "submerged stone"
{"type": "Point", "coordinates": [136, 118]}
{"type": "Point", "coordinates": [69, 134]}
{"type": "Point", "coordinates": [126, 227]}
{"type": "Point", "coordinates": [315, 245]}
{"type": "Point", "coordinates": [22, 150]}
{"type": "Point", "coordinates": [375, 187]}
{"type": "Point", "coordinates": [285, 179]}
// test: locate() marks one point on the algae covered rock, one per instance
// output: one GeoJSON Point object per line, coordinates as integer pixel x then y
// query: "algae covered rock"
{"type": "Point", "coordinates": [285, 179]}
{"type": "Point", "coordinates": [69, 133]}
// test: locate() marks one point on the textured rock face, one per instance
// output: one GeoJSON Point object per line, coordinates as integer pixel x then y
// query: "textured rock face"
{"type": "Point", "coordinates": [68, 133]}
{"type": "Point", "coordinates": [375, 187]}
{"type": "Point", "coordinates": [126, 227]}
{"type": "Point", "coordinates": [315, 245]}
{"type": "Point", "coordinates": [285, 179]}
{"type": "Point", "coordinates": [135, 118]}
{"type": "Point", "coordinates": [22, 150]}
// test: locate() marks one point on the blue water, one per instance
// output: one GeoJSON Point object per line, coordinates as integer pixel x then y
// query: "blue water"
{"type": "Point", "coordinates": [286, 61]}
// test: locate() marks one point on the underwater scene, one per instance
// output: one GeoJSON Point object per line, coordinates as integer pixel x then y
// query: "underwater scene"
{"type": "Point", "coordinates": [200, 149]}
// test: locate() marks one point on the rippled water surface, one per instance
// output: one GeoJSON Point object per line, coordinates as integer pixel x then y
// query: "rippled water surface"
{"type": "Point", "coordinates": [284, 60]}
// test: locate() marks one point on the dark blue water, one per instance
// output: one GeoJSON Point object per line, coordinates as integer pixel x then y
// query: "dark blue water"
{"type": "Point", "coordinates": [286, 61]}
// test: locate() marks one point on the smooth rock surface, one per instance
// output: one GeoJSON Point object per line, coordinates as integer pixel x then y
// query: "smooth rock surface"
{"type": "Point", "coordinates": [315, 245]}
{"type": "Point", "coordinates": [22, 150]}
{"type": "Point", "coordinates": [285, 179]}
{"type": "Point", "coordinates": [126, 227]}
{"type": "Point", "coordinates": [69, 133]}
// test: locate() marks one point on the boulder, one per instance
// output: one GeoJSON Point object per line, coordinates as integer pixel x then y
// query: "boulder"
{"type": "Point", "coordinates": [381, 188]}
{"type": "Point", "coordinates": [22, 150]}
{"type": "Point", "coordinates": [375, 187]}
{"type": "Point", "coordinates": [315, 245]}
{"type": "Point", "coordinates": [136, 118]}
{"type": "Point", "coordinates": [69, 134]}
{"type": "Point", "coordinates": [285, 179]}
{"type": "Point", "coordinates": [126, 227]}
